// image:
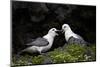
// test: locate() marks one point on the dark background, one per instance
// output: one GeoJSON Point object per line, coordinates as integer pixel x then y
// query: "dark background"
{"type": "Point", "coordinates": [31, 20]}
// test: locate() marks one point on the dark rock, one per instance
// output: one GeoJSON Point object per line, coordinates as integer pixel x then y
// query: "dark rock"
{"type": "Point", "coordinates": [47, 60]}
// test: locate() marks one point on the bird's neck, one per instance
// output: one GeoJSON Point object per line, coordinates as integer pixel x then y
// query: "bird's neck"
{"type": "Point", "coordinates": [49, 38]}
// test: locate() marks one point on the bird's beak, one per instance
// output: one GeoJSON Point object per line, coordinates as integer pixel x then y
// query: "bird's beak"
{"type": "Point", "coordinates": [62, 31]}
{"type": "Point", "coordinates": [58, 32]}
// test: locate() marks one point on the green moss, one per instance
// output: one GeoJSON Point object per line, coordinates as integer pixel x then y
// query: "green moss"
{"type": "Point", "coordinates": [69, 53]}
{"type": "Point", "coordinates": [38, 59]}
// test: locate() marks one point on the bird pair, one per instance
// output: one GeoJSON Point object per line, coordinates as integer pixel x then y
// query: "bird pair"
{"type": "Point", "coordinates": [43, 44]}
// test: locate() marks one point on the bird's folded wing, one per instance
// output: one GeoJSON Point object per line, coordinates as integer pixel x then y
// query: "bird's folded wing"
{"type": "Point", "coordinates": [73, 40]}
{"type": "Point", "coordinates": [39, 42]}
{"type": "Point", "coordinates": [79, 37]}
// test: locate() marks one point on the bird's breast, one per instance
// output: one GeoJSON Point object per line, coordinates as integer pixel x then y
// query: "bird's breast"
{"type": "Point", "coordinates": [46, 48]}
{"type": "Point", "coordinates": [68, 35]}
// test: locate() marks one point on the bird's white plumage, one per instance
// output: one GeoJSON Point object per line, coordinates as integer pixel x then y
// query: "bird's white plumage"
{"type": "Point", "coordinates": [68, 32]}
{"type": "Point", "coordinates": [49, 37]}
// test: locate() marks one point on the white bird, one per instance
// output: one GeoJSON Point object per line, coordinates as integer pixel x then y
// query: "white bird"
{"type": "Point", "coordinates": [71, 37]}
{"type": "Point", "coordinates": [42, 44]}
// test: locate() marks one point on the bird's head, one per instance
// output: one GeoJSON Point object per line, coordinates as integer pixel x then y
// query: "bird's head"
{"type": "Point", "coordinates": [65, 27]}
{"type": "Point", "coordinates": [53, 32]}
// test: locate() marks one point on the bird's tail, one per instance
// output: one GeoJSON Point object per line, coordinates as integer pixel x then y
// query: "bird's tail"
{"type": "Point", "coordinates": [19, 53]}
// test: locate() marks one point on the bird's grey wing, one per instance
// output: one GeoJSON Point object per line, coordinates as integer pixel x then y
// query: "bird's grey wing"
{"type": "Point", "coordinates": [73, 40]}
{"type": "Point", "coordinates": [39, 42]}
{"type": "Point", "coordinates": [79, 37]}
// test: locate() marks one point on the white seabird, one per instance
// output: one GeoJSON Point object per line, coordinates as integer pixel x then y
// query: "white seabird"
{"type": "Point", "coordinates": [42, 44]}
{"type": "Point", "coordinates": [71, 37]}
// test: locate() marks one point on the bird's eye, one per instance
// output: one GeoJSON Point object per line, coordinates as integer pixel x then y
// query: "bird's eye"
{"type": "Point", "coordinates": [64, 26]}
{"type": "Point", "coordinates": [53, 29]}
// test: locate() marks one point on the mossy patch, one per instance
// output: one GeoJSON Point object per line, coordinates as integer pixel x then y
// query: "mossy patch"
{"type": "Point", "coordinates": [70, 53]}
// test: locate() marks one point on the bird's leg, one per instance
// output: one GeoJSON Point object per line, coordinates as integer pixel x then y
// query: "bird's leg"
{"type": "Point", "coordinates": [41, 53]}
{"type": "Point", "coordinates": [44, 54]}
